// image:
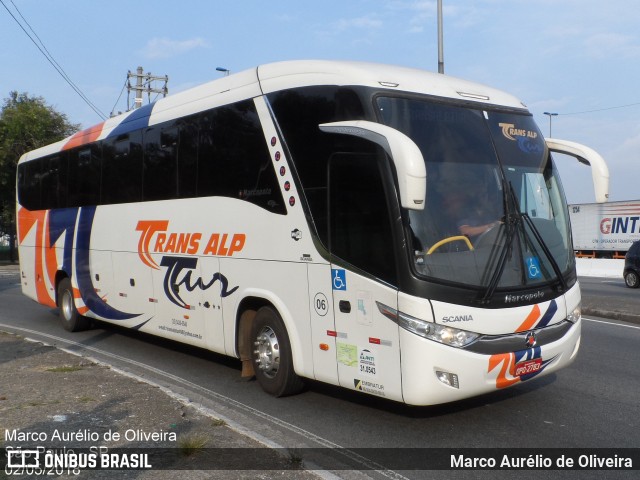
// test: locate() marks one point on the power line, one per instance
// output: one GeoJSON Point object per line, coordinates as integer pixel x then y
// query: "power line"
{"type": "Point", "coordinates": [41, 47]}
{"type": "Point", "coordinates": [119, 97]}
{"type": "Point", "coordinates": [601, 109]}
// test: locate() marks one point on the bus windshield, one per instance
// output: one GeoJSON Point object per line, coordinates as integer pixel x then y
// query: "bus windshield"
{"type": "Point", "coordinates": [495, 215]}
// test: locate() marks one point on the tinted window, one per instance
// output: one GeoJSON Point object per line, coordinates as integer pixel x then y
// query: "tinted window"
{"type": "Point", "coordinates": [122, 169]}
{"type": "Point", "coordinates": [29, 184]}
{"type": "Point", "coordinates": [221, 152]}
{"type": "Point", "coordinates": [54, 181]}
{"type": "Point", "coordinates": [233, 158]}
{"type": "Point", "coordinates": [299, 112]}
{"type": "Point", "coordinates": [160, 163]}
{"type": "Point", "coordinates": [84, 176]}
{"type": "Point", "coordinates": [360, 223]}
{"type": "Point", "coordinates": [188, 157]}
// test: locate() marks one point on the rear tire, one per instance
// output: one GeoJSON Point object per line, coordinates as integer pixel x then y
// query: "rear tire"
{"type": "Point", "coordinates": [272, 358]}
{"type": "Point", "coordinates": [71, 320]}
{"type": "Point", "coordinates": [632, 279]}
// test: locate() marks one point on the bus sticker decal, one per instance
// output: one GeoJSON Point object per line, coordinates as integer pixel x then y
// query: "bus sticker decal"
{"type": "Point", "coordinates": [44, 263]}
{"type": "Point", "coordinates": [50, 226]}
{"type": "Point", "coordinates": [175, 266]}
{"type": "Point", "coordinates": [83, 271]}
{"type": "Point", "coordinates": [339, 279]}
{"type": "Point", "coordinates": [532, 265]}
{"type": "Point", "coordinates": [367, 362]}
{"type": "Point", "coordinates": [156, 238]}
{"type": "Point", "coordinates": [534, 319]}
{"type": "Point", "coordinates": [347, 354]}
{"type": "Point", "coordinates": [368, 387]}
{"type": "Point", "coordinates": [363, 311]}
{"type": "Point", "coordinates": [321, 304]}
{"type": "Point", "coordinates": [548, 315]}
{"type": "Point", "coordinates": [518, 366]}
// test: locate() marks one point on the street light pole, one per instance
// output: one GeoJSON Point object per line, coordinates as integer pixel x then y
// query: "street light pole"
{"type": "Point", "coordinates": [440, 39]}
{"type": "Point", "coordinates": [550, 115]}
{"type": "Point", "coordinates": [223, 70]}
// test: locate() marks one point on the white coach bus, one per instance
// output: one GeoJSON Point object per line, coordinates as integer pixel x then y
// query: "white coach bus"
{"type": "Point", "coordinates": [396, 232]}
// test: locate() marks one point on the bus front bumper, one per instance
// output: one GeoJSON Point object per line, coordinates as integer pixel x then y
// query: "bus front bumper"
{"type": "Point", "coordinates": [433, 373]}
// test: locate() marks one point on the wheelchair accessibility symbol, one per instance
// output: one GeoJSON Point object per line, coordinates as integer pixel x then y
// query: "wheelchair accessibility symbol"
{"type": "Point", "coordinates": [339, 279]}
{"type": "Point", "coordinates": [533, 267]}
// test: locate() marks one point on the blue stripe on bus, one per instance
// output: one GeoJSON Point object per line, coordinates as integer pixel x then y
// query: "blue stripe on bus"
{"type": "Point", "coordinates": [63, 221]}
{"type": "Point", "coordinates": [83, 274]}
{"type": "Point", "coordinates": [551, 311]}
{"type": "Point", "coordinates": [139, 119]}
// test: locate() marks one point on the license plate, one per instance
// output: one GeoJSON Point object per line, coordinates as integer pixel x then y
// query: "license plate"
{"type": "Point", "coordinates": [530, 366]}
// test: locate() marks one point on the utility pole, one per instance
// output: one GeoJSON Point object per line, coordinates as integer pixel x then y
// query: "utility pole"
{"type": "Point", "coordinates": [143, 84]}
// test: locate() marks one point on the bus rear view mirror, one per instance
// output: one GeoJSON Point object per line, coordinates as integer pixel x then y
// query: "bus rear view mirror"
{"type": "Point", "coordinates": [406, 156]}
{"type": "Point", "coordinates": [588, 156]}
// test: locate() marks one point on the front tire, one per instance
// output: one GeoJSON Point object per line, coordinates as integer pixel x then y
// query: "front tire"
{"type": "Point", "coordinates": [272, 358]}
{"type": "Point", "coordinates": [71, 320]}
{"type": "Point", "coordinates": [632, 279]}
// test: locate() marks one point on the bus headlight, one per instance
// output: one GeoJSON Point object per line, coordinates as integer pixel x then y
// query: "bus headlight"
{"type": "Point", "coordinates": [574, 316]}
{"type": "Point", "coordinates": [450, 336]}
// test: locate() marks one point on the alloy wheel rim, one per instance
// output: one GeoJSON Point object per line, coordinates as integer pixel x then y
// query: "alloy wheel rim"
{"type": "Point", "coordinates": [267, 352]}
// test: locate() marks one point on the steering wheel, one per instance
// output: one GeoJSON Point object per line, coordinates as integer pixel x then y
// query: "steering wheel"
{"type": "Point", "coordinates": [444, 241]}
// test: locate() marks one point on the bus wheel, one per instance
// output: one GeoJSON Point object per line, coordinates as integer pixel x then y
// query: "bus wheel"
{"type": "Point", "coordinates": [72, 321]}
{"type": "Point", "coordinates": [272, 359]}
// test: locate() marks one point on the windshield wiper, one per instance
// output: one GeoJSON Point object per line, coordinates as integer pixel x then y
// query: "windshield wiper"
{"type": "Point", "coordinates": [546, 251]}
{"type": "Point", "coordinates": [510, 223]}
{"type": "Point", "coordinates": [512, 218]}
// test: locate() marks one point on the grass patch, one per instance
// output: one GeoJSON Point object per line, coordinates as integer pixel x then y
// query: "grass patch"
{"type": "Point", "coordinates": [64, 369]}
{"type": "Point", "coordinates": [295, 460]}
{"type": "Point", "coordinates": [86, 399]}
{"type": "Point", "coordinates": [191, 444]}
{"type": "Point", "coordinates": [36, 404]}
{"type": "Point", "coordinates": [216, 422]}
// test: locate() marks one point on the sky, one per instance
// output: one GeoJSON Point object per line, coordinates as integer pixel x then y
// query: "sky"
{"type": "Point", "coordinates": [577, 58]}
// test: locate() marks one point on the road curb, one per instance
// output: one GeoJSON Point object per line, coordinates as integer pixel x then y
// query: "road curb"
{"type": "Point", "coordinates": [611, 315]}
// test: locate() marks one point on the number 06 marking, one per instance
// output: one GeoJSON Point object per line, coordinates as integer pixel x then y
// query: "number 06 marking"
{"type": "Point", "coordinates": [321, 304]}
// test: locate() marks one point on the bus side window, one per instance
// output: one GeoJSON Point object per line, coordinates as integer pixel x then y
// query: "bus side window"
{"type": "Point", "coordinates": [29, 184]}
{"type": "Point", "coordinates": [359, 218]}
{"type": "Point", "coordinates": [233, 158]}
{"type": "Point", "coordinates": [54, 181]}
{"type": "Point", "coordinates": [122, 169]}
{"type": "Point", "coordinates": [188, 157]}
{"type": "Point", "coordinates": [84, 177]}
{"type": "Point", "coordinates": [160, 163]}
{"type": "Point", "coordinates": [299, 112]}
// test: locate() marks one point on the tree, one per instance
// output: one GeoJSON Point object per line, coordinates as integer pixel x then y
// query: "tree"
{"type": "Point", "coordinates": [26, 123]}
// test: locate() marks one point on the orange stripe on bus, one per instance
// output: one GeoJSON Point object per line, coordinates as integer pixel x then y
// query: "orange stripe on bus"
{"type": "Point", "coordinates": [85, 136]}
{"type": "Point", "coordinates": [530, 320]}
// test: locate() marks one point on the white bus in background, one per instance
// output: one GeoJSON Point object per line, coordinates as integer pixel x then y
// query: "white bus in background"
{"type": "Point", "coordinates": [396, 232]}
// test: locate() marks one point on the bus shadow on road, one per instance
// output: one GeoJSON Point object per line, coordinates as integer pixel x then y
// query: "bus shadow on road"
{"type": "Point", "coordinates": [432, 411]}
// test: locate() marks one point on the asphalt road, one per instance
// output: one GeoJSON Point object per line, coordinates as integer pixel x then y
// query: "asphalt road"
{"type": "Point", "coordinates": [611, 298]}
{"type": "Point", "coordinates": [594, 403]}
